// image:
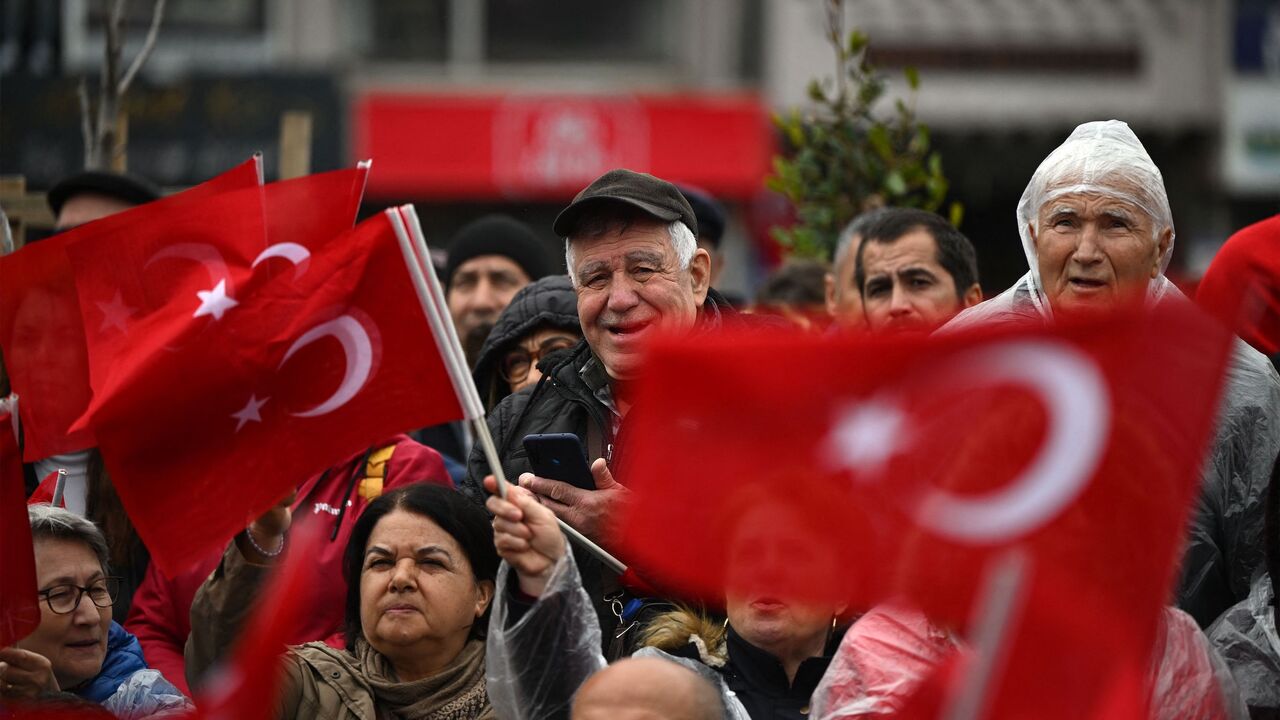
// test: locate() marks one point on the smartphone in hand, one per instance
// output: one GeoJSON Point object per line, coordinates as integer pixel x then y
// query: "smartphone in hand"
{"type": "Point", "coordinates": [560, 456]}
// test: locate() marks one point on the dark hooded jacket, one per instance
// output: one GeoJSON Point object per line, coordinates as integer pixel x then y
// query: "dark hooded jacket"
{"type": "Point", "coordinates": [564, 402]}
{"type": "Point", "coordinates": [546, 303]}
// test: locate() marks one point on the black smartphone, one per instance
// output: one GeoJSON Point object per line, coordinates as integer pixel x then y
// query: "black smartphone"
{"type": "Point", "coordinates": [560, 456]}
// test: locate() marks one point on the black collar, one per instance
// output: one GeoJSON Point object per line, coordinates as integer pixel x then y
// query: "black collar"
{"type": "Point", "coordinates": [764, 672]}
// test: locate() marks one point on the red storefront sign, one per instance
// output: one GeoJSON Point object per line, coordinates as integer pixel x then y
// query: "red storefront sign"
{"type": "Point", "coordinates": [550, 146]}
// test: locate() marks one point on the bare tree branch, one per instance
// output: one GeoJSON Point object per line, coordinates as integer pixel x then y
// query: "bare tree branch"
{"type": "Point", "coordinates": [148, 45]}
{"type": "Point", "coordinates": [104, 144]}
{"type": "Point", "coordinates": [86, 119]}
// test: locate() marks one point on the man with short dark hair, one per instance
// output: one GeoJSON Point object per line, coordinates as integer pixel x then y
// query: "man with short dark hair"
{"type": "Point", "coordinates": [915, 271]}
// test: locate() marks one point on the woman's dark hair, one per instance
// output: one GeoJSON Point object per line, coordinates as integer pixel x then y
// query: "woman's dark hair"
{"type": "Point", "coordinates": [464, 520]}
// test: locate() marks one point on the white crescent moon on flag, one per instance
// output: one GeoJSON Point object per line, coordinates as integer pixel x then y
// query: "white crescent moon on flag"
{"type": "Point", "coordinates": [293, 252]}
{"type": "Point", "coordinates": [359, 355]}
{"type": "Point", "coordinates": [203, 253]}
{"type": "Point", "coordinates": [1076, 398]}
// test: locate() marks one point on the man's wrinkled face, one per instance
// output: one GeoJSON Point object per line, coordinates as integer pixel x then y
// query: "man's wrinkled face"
{"type": "Point", "coordinates": [630, 285]}
{"type": "Point", "coordinates": [481, 287]}
{"type": "Point", "coordinates": [906, 288]}
{"type": "Point", "coordinates": [1095, 251]}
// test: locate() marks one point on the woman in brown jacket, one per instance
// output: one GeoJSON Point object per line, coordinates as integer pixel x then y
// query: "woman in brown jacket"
{"type": "Point", "coordinates": [420, 570]}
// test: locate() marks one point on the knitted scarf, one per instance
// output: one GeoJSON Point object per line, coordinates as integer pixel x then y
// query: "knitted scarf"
{"type": "Point", "coordinates": [455, 693]}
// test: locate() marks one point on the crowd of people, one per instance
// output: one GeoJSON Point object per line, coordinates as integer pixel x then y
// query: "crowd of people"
{"type": "Point", "coordinates": [439, 597]}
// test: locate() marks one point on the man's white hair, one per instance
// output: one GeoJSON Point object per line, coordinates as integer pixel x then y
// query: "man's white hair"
{"type": "Point", "coordinates": [681, 237]}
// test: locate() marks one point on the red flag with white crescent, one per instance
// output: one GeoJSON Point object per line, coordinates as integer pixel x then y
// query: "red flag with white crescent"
{"type": "Point", "coordinates": [40, 326]}
{"type": "Point", "coordinates": [232, 392]}
{"type": "Point", "coordinates": [779, 470]}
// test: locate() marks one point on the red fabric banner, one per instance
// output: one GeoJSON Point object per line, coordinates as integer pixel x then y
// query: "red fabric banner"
{"type": "Point", "coordinates": [40, 328]}
{"type": "Point", "coordinates": [19, 609]}
{"type": "Point", "coordinates": [551, 146]}
{"type": "Point", "coordinates": [225, 392]}
{"type": "Point", "coordinates": [786, 469]}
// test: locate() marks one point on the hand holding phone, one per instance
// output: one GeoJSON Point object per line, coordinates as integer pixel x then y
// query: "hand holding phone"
{"type": "Point", "coordinates": [560, 456]}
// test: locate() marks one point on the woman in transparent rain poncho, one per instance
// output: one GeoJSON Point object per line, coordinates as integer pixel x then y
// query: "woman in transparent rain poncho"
{"type": "Point", "coordinates": [1097, 230]}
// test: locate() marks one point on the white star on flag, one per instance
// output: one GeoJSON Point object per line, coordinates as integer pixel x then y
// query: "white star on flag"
{"type": "Point", "coordinates": [250, 411]}
{"type": "Point", "coordinates": [115, 314]}
{"type": "Point", "coordinates": [215, 302]}
{"type": "Point", "coordinates": [866, 435]}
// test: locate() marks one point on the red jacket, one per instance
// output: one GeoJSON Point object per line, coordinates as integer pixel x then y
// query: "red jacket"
{"type": "Point", "coordinates": [160, 615]}
{"type": "Point", "coordinates": [1242, 285]}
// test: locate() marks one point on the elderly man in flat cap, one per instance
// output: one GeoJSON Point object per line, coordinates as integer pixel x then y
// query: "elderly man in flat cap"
{"type": "Point", "coordinates": [1098, 232]}
{"type": "Point", "coordinates": [636, 268]}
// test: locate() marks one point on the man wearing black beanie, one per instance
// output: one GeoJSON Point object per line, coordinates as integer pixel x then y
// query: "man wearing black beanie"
{"type": "Point", "coordinates": [490, 259]}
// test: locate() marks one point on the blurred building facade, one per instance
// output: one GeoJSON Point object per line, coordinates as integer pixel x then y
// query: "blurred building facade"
{"type": "Point", "coordinates": [469, 106]}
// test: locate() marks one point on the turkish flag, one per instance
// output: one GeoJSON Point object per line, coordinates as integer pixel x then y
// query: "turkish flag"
{"type": "Point", "coordinates": [841, 472]}
{"type": "Point", "coordinates": [222, 401]}
{"type": "Point", "coordinates": [19, 611]}
{"type": "Point", "coordinates": [245, 687]}
{"type": "Point", "coordinates": [276, 226]}
{"type": "Point", "coordinates": [40, 327]}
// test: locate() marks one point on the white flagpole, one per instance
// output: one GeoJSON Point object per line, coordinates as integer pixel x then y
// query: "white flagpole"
{"type": "Point", "coordinates": [59, 487]}
{"type": "Point", "coordinates": [433, 302]}
{"type": "Point", "coordinates": [1001, 598]}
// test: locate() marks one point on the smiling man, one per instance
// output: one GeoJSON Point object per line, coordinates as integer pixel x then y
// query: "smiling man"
{"type": "Point", "coordinates": [636, 270]}
{"type": "Point", "coordinates": [915, 271]}
{"type": "Point", "coordinates": [1098, 232]}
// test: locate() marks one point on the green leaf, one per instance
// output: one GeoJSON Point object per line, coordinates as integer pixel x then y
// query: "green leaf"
{"type": "Point", "coordinates": [878, 138]}
{"type": "Point", "coordinates": [816, 93]}
{"type": "Point", "coordinates": [913, 77]}
{"type": "Point", "coordinates": [857, 41]}
{"type": "Point", "coordinates": [956, 213]}
{"type": "Point", "coordinates": [895, 184]}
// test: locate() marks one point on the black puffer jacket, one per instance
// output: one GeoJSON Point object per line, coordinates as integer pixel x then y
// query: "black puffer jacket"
{"type": "Point", "coordinates": [549, 302]}
{"type": "Point", "coordinates": [563, 403]}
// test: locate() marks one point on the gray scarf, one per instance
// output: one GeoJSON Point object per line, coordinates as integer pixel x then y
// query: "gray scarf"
{"type": "Point", "coordinates": [455, 693]}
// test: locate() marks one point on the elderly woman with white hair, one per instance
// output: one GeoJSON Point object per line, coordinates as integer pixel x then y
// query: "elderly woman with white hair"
{"type": "Point", "coordinates": [1098, 233]}
{"type": "Point", "coordinates": [77, 648]}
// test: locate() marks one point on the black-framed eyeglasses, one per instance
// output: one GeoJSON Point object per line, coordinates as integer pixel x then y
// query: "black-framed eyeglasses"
{"type": "Point", "coordinates": [64, 599]}
{"type": "Point", "coordinates": [518, 361]}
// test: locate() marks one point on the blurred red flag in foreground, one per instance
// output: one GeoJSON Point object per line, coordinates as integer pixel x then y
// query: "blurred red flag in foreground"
{"type": "Point", "coordinates": [844, 471]}
{"type": "Point", "coordinates": [19, 611]}
{"type": "Point", "coordinates": [225, 395]}
{"type": "Point", "coordinates": [40, 328]}
{"type": "Point", "coordinates": [245, 687]}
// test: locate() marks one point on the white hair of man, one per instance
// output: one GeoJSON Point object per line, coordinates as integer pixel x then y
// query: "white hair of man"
{"type": "Point", "coordinates": [1101, 158]}
{"type": "Point", "coordinates": [682, 240]}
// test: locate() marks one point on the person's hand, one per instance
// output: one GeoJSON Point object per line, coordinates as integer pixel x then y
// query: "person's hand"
{"type": "Point", "coordinates": [590, 512]}
{"type": "Point", "coordinates": [269, 529]}
{"type": "Point", "coordinates": [24, 674]}
{"type": "Point", "coordinates": [526, 535]}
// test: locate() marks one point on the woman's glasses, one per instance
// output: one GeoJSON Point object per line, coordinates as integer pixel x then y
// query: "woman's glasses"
{"type": "Point", "coordinates": [64, 599]}
{"type": "Point", "coordinates": [518, 361]}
